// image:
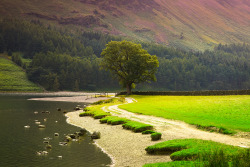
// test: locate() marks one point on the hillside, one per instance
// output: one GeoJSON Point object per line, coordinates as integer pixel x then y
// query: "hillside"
{"type": "Point", "coordinates": [192, 24]}
{"type": "Point", "coordinates": [13, 78]}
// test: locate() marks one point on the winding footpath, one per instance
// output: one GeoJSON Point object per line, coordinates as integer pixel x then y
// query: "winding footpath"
{"type": "Point", "coordinates": [127, 149]}
{"type": "Point", "coordinates": [172, 129]}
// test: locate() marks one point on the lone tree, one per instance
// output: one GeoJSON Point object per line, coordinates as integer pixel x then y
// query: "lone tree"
{"type": "Point", "coordinates": [129, 63]}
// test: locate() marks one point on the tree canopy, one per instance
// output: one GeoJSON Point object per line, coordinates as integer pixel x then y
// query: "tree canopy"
{"type": "Point", "coordinates": [129, 63]}
{"type": "Point", "coordinates": [73, 57]}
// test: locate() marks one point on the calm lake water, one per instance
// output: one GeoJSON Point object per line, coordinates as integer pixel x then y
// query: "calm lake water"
{"type": "Point", "coordinates": [19, 144]}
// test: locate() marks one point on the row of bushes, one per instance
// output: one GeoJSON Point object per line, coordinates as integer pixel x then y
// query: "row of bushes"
{"type": "Point", "coordinates": [191, 93]}
{"type": "Point", "coordinates": [126, 123]}
{"type": "Point", "coordinates": [132, 125]}
{"type": "Point", "coordinates": [96, 112]}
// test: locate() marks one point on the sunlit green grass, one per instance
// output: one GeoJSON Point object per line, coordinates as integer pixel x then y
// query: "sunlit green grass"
{"type": "Point", "coordinates": [229, 112]}
{"type": "Point", "coordinates": [14, 79]}
{"type": "Point", "coordinates": [196, 152]}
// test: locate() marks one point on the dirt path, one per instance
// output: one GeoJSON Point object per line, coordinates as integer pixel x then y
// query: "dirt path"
{"type": "Point", "coordinates": [127, 149]}
{"type": "Point", "coordinates": [172, 129]}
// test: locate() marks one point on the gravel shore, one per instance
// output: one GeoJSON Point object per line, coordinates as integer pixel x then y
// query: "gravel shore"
{"type": "Point", "coordinates": [127, 149]}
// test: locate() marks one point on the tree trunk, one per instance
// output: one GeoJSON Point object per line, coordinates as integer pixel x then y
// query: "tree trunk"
{"type": "Point", "coordinates": [128, 89]}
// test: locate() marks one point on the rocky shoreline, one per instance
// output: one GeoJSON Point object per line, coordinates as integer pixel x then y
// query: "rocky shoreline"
{"type": "Point", "coordinates": [123, 146]}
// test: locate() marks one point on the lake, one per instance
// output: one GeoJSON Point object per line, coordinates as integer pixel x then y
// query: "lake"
{"type": "Point", "coordinates": [19, 144]}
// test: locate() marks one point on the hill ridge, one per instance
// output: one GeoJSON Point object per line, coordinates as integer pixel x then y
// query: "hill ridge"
{"type": "Point", "coordinates": [192, 24]}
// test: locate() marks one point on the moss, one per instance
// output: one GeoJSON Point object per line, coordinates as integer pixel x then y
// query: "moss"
{"type": "Point", "coordinates": [113, 120]}
{"type": "Point", "coordinates": [137, 126]}
{"type": "Point", "coordinates": [156, 136]}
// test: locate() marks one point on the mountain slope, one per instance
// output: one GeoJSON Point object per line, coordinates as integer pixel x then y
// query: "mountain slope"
{"type": "Point", "coordinates": [13, 78]}
{"type": "Point", "coordinates": [192, 24]}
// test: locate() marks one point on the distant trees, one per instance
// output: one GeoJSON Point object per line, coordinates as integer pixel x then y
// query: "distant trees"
{"type": "Point", "coordinates": [129, 63]}
{"type": "Point", "coordinates": [70, 61]}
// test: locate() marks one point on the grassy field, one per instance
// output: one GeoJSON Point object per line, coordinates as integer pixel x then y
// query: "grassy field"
{"type": "Point", "coordinates": [199, 153]}
{"type": "Point", "coordinates": [14, 79]}
{"type": "Point", "coordinates": [202, 153]}
{"type": "Point", "coordinates": [230, 113]}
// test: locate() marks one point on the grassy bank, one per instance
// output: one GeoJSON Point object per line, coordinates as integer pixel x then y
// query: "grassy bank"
{"type": "Point", "coordinates": [14, 79]}
{"type": "Point", "coordinates": [225, 114]}
{"type": "Point", "coordinates": [195, 152]}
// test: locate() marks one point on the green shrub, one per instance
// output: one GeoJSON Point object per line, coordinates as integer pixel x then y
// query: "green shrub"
{"type": "Point", "coordinates": [104, 120]}
{"type": "Point", "coordinates": [137, 126]}
{"type": "Point", "coordinates": [85, 114]}
{"type": "Point", "coordinates": [156, 136]}
{"type": "Point", "coordinates": [113, 120]}
{"type": "Point", "coordinates": [94, 112]}
{"type": "Point", "coordinates": [86, 109]}
{"type": "Point", "coordinates": [148, 132]}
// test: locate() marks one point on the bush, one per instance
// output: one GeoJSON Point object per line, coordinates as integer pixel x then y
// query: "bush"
{"type": "Point", "coordinates": [156, 136]}
{"type": "Point", "coordinates": [85, 114]}
{"type": "Point", "coordinates": [137, 126]}
{"type": "Point", "coordinates": [113, 120]}
{"type": "Point", "coordinates": [95, 114]}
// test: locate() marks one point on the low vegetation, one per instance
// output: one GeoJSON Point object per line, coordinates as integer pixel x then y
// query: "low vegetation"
{"type": "Point", "coordinates": [195, 152]}
{"type": "Point", "coordinates": [224, 114]}
{"type": "Point", "coordinates": [189, 149]}
{"type": "Point", "coordinates": [137, 126]}
{"type": "Point", "coordinates": [148, 132]}
{"type": "Point", "coordinates": [96, 112]}
{"type": "Point", "coordinates": [176, 164]}
{"type": "Point", "coordinates": [156, 136]}
{"type": "Point", "coordinates": [13, 78]}
{"type": "Point", "coordinates": [113, 120]}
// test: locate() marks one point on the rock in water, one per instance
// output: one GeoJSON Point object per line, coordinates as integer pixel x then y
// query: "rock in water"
{"type": "Point", "coordinates": [96, 135]}
{"type": "Point", "coordinates": [41, 126]}
{"type": "Point", "coordinates": [83, 131]}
